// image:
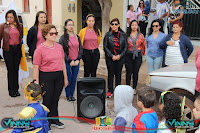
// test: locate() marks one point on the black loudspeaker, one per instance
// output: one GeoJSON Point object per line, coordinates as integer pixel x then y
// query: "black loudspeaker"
{"type": "Point", "coordinates": [91, 94]}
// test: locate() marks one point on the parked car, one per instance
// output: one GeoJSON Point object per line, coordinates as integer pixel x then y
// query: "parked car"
{"type": "Point", "coordinates": [181, 80]}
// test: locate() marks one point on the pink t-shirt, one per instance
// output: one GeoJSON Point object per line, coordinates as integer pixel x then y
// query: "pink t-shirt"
{"type": "Point", "coordinates": [197, 61]}
{"type": "Point", "coordinates": [49, 59]}
{"type": "Point", "coordinates": [90, 40]}
{"type": "Point", "coordinates": [14, 36]}
{"type": "Point", "coordinates": [131, 15]}
{"type": "Point", "coordinates": [40, 39]}
{"type": "Point", "coordinates": [73, 47]}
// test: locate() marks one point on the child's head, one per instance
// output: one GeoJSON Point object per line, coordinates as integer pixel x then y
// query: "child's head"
{"type": "Point", "coordinates": [32, 91]}
{"type": "Point", "coordinates": [196, 110]}
{"type": "Point", "coordinates": [170, 106]}
{"type": "Point", "coordinates": [146, 97]}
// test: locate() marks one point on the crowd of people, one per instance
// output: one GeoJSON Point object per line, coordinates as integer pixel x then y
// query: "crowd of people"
{"type": "Point", "coordinates": [56, 65]}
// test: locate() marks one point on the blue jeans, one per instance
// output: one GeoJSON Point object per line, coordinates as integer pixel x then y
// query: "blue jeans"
{"type": "Point", "coordinates": [153, 63]}
{"type": "Point", "coordinates": [72, 73]}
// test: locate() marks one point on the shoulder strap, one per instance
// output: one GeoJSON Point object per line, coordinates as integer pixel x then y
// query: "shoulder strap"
{"type": "Point", "coordinates": [27, 113]}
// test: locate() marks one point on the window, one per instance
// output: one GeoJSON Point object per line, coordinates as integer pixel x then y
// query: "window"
{"type": "Point", "coordinates": [26, 6]}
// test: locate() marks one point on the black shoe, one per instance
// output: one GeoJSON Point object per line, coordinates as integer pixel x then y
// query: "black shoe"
{"type": "Point", "coordinates": [12, 94]}
{"type": "Point", "coordinates": [73, 99]}
{"type": "Point", "coordinates": [68, 99]}
{"type": "Point", "coordinates": [50, 130]}
{"type": "Point", "coordinates": [17, 93]}
{"type": "Point", "coordinates": [59, 125]}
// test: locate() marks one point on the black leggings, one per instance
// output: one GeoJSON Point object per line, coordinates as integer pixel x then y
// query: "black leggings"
{"type": "Point", "coordinates": [12, 60]}
{"type": "Point", "coordinates": [143, 27]}
{"type": "Point", "coordinates": [91, 61]}
{"type": "Point", "coordinates": [132, 68]}
{"type": "Point", "coordinates": [53, 85]}
{"type": "Point", "coordinates": [114, 69]}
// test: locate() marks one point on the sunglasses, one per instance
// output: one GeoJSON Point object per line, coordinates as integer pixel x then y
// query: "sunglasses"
{"type": "Point", "coordinates": [114, 24]}
{"type": "Point", "coordinates": [53, 33]}
{"type": "Point", "coordinates": [155, 25]}
{"type": "Point", "coordinates": [141, 3]}
{"type": "Point", "coordinates": [163, 94]}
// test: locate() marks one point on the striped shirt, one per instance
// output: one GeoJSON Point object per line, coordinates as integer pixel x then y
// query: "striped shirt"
{"type": "Point", "coordinates": [173, 54]}
{"type": "Point", "coordinates": [161, 9]}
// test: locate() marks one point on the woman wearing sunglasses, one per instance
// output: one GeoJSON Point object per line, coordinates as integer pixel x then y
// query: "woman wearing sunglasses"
{"type": "Point", "coordinates": [50, 70]}
{"type": "Point", "coordinates": [73, 52]}
{"type": "Point", "coordinates": [90, 38]}
{"type": "Point", "coordinates": [141, 17]}
{"type": "Point", "coordinates": [136, 48]}
{"type": "Point", "coordinates": [34, 37]}
{"type": "Point", "coordinates": [154, 53]}
{"type": "Point", "coordinates": [115, 46]}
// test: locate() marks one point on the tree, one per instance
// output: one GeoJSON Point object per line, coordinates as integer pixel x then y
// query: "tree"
{"type": "Point", "coordinates": [106, 6]}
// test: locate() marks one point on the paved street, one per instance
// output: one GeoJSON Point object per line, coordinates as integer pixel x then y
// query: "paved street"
{"type": "Point", "coordinates": [9, 107]}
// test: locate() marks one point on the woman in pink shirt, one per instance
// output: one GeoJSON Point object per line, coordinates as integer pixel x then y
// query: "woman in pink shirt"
{"type": "Point", "coordinates": [197, 86]}
{"type": "Point", "coordinates": [130, 15]}
{"type": "Point", "coordinates": [34, 37]}
{"type": "Point", "coordinates": [90, 38]}
{"type": "Point", "coordinates": [12, 33]}
{"type": "Point", "coordinates": [50, 70]}
{"type": "Point", "coordinates": [73, 52]}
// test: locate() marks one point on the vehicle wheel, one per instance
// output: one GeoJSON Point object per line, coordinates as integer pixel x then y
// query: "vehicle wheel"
{"type": "Point", "coordinates": [189, 106]}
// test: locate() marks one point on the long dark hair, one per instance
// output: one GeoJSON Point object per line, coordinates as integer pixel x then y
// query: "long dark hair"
{"type": "Point", "coordinates": [95, 28]}
{"type": "Point", "coordinates": [66, 35]}
{"type": "Point", "coordinates": [160, 24]}
{"type": "Point", "coordinates": [172, 108]}
{"type": "Point", "coordinates": [115, 20]}
{"type": "Point", "coordinates": [139, 3]}
{"type": "Point", "coordinates": [36, 19]}
{"type": "Point", "coordinates": [129, 28]}
{"type": "Point", "coordinates": [15, 17]}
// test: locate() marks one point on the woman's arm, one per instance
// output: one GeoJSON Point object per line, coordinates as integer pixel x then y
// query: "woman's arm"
{"type": "Point", "coordinates": [125, 47]}
{"type": "Point", "coordinates": [189, 46]}
{"type": "Point", "coordinates": [105, 46]}
{"type": "Point", "coordinates": [65, 74]}
{"type": "Point", "coordinates": [36, 73]}
{"type": "Point", "coordinates": [1, 32]}
{"type": "Point", "coordinates": [80, 53]}
{"type": "Point", "coordinates": [163, 43]}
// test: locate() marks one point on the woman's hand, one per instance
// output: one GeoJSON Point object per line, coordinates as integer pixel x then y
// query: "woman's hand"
{"type": "Point", "coordinates": [170, 43]}
{"type": "Point", "coordinates": [114, 58]}
{"type": "Point", "coordinates": [72, 63]}
{"type": "Point", "coordinates": [65, 82]}
{"type": "Point", "coordinates": [171, 20]}
{"type": "Point", "coordinates": [118, 57]}
{"type": "Point", "coordinates": [76, 62]}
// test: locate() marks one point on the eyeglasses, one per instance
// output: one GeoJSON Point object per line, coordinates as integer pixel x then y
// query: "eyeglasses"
{"type": "Point", "coordinates": [114, 24]}
{"type": "Point", "coordinates": [53, 33]}
{"type": "Point", "coordinates": [162, 96]}
{"type": "Point", "coordinates": [70, 25]}
{"type": "Point", "coordinates": [155, 25]}
{"type": "Point", "coordinates": [141, 3]}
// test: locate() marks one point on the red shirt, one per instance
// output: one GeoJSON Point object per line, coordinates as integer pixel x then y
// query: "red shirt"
{"type": "Point", "coordinates": [73, 47]}
{"type": "Point", "coordinates": [90, 40]}
{"type": "Point", "coordinates": [14, 36]}
{"type": "Point", "coordinates": [197, 61]}
{"type": "Point", "coordinates": [49, 59]}
{"type": "Point", "coordinates": [40, 39]}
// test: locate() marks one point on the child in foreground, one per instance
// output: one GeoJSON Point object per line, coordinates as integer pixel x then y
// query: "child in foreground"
{"type": "Point", "coordinates": [170, 106]}
{"type": "Point", "coordinates": [146, 120]}
{"type": "Point", "coordinates": [34, 110]}
{"type": "Point", "coordinates": [123, 98]}
{"type": "Point", "coordinates": [196, 111]}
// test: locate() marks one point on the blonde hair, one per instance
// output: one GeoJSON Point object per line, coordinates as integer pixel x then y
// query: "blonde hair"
{"type": "Point", "coordinates": [46, 29]}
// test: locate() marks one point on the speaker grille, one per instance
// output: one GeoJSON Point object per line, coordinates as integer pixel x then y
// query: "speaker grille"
{"type": "Point", "coordinates": [91, 106]}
